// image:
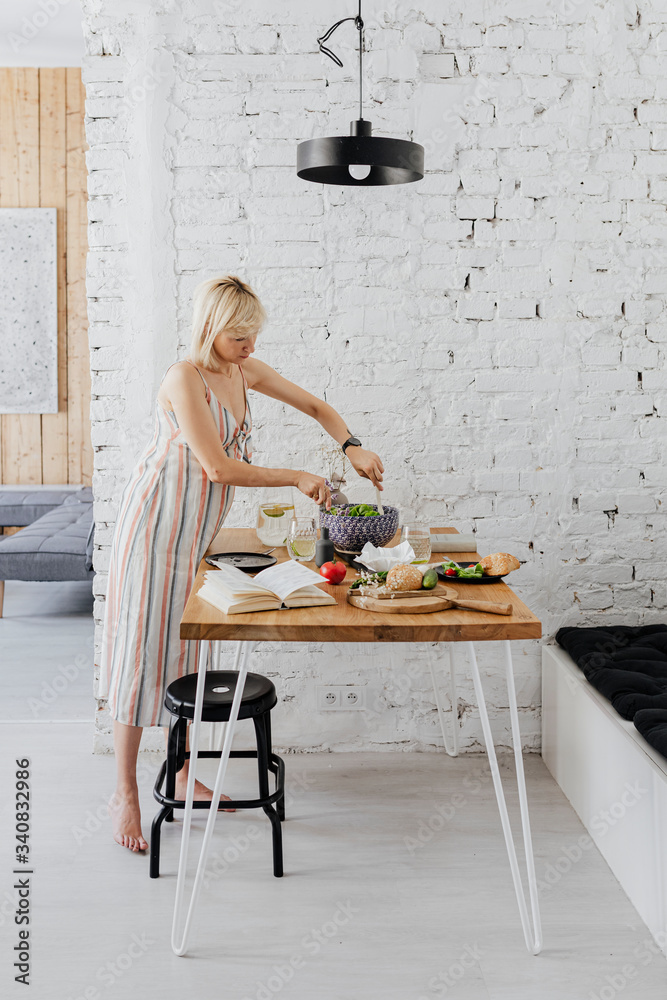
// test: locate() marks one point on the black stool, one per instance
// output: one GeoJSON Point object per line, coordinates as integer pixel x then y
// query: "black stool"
{"type": "Point", "coordinates": [259, 697]}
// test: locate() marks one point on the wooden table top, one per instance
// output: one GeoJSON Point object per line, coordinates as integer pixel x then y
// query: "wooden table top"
{"type": "Point", "coordinates": [343, 623]}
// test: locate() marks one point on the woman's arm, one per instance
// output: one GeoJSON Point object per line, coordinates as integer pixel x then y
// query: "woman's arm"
{"type": "Point", "coordinates": [266, 380]}
{"type": "Point", "coordinates": [187, 395]}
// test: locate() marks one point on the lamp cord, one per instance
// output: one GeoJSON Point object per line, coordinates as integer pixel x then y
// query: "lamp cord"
{"type": "Point", "coordinates": [359, 25]}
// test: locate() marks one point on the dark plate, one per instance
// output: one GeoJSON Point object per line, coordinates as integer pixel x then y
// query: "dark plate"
{"type": "Point", "coordinates": [462, 579]}
{"type": "Point", "coordinates": [249, 562]}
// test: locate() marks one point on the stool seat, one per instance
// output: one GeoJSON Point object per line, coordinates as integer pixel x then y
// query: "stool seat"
{"type": "Point", "coordinates": [259, 696]}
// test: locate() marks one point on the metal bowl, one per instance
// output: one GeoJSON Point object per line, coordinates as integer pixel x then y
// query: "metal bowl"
{"type": "Point", "coordinates": [351, 533]}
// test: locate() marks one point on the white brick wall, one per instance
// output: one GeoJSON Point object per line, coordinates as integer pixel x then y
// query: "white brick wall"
{"type": "Point", "coordinates": [496, 331]}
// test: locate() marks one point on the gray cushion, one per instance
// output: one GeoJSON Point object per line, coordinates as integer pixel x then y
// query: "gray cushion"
{"type": "Point", "coordinates": [84, 495]}
{"type": "Point", "coordinates": [51, 548]}
{"type": "Point", "coordinates": [19, 507]}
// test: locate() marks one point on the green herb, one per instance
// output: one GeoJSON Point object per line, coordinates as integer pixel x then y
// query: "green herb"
{"type": "Point", "coordinates": [367, 579]}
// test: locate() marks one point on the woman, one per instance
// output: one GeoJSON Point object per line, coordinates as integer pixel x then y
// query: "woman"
{"type": "Point", "coordinates": [176, 499]}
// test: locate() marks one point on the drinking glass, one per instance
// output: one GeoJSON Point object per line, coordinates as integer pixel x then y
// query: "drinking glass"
{"type": "Point", "coordinates": [419, 537]}
{"type": "Point", "coordinates": [274, 512]}
{"type": "Point", "coordinates": [301, 538]}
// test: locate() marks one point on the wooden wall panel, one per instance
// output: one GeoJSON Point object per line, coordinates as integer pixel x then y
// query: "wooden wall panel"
{"type": "Point", "coordinates": [79, 450]}
{"type": "Point", "coordinates": [42, 164]}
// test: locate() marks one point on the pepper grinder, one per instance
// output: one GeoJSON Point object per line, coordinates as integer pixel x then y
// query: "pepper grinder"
{"type": "Point", "coordinates": [324, 550]}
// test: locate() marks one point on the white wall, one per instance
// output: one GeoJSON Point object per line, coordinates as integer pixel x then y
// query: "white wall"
{"type": "Point", "coordinates": [41, 33]}
{"type": "Point", "coordinates": [496, 332]}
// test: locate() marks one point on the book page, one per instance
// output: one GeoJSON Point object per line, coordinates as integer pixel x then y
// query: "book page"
{"type": "Point", "coordinates": [307, 597]}
{"type": "Point", "coordinates": [234, 580]}
{"type": "Point", "coordinates": [284, 578]}
{"type": "Point", "coordinates": [260, 601]}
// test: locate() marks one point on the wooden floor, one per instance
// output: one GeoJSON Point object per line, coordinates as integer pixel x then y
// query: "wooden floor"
{"type": "Point", "coordinates": [396, 887]}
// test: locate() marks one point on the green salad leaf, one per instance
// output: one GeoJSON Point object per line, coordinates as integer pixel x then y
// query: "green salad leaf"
{"type": "Point", "coordinates": [463, 572]}
{"type": "Point", "coordinates": [358, 510]}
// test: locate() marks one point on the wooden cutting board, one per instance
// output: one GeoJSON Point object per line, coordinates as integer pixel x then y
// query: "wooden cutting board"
{"type": "Point", "coordinates": [409, 606]}
{"type": "Point", "coordinates": [422, 605]}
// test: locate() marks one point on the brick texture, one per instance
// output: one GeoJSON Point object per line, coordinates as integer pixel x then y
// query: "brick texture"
{"type": "Point", "coordinates": [496, 332]}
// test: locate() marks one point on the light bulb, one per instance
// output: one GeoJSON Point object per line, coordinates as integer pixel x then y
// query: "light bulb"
{"type": "Point", "coordinates": [359, 171]}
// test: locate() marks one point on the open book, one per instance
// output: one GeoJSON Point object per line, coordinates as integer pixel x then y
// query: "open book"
{"type": "Point", "coordinates": [285, 585]}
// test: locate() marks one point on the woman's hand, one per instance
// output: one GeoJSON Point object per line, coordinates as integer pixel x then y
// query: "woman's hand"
{"type": "Point", "coordinates": [314, 487]}
{"type": "Point", "coordinates": [367, 464]}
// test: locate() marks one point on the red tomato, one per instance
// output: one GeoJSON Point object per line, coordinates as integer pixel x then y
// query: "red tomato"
{"type": "Point", "coordinates": [333, 572]}
{"type": "Point", "coordinates": [450, 571]}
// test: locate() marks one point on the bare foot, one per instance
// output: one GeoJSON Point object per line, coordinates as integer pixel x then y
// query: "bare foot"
{"type": "Point", "coordinates": [126, 820]}
{"type": "Point", "coordinates": [202, 792]}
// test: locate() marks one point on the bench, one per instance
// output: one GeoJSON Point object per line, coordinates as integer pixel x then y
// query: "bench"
{"type": "Point", "coordinates": [58, 545]}
{"type": "Point", "coordinates": [615, 781]}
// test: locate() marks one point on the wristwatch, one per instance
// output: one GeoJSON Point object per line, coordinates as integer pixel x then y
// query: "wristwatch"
{"type": "Point", "coordinates": [355, 442]}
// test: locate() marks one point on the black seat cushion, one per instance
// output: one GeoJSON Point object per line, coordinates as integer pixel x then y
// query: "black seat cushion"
{"type": "Point", "coordinates": [628, 665]}
{"type": "Point", "coordinates": [259, 696]}
{"type": "Point", "coordinates": [652, 724]}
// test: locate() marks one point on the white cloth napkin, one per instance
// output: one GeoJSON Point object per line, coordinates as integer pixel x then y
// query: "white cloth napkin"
{"type": "Point", "coordinates": [379, 560]}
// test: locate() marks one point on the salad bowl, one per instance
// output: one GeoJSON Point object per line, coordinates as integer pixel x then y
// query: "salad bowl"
{"type": "Point", "coordinates": [350, 533]}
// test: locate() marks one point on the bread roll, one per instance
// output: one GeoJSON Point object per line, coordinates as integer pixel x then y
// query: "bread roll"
{"type": "Point", "coordinates": [499, 564]}
{"type": "Point", "coordinates": [404, 577]}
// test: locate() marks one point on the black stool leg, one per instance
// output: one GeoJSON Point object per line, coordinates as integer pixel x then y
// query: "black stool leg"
{"type": "Point", "coordinates": [173, 741]}
{"type": "Point", "coordinates": [166, 814]}
{"type": "Point", "coordinates": [280, 804]}
{"type": "Point", "coordinates": [154, 867]}
{"type": "Point", "coordinates": [264, 791]}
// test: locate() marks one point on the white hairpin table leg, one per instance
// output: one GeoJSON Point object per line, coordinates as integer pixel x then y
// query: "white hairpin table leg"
{"type": "Point", "coordinates": [242, 654]}
{"type": "Point", "coordinates": [532, 935]}
{"type": "Point", "coordinates": [217, 729]}
{"type": "Point", "coordinates": [453, 714]}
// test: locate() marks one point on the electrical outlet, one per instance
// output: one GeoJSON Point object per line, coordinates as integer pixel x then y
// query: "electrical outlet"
{"type": "Point", "coordinates": [339, 697]}
{"type": "Point", "coordinates": [327, 698]}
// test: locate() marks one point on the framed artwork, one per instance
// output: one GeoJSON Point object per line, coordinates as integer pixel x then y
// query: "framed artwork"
{"type": "Point", "coordinates": [28, 311]}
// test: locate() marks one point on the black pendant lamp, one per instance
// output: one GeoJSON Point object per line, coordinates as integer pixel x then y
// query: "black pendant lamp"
{"type": "Point", "coordinates": [360, 157]}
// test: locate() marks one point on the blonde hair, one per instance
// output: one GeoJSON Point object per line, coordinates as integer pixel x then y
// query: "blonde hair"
{"type": "Point", "coordinates": [222, 304]}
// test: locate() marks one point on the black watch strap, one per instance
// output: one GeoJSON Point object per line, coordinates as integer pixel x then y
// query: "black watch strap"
{"type": "Point", "coordinates": [354, 441]}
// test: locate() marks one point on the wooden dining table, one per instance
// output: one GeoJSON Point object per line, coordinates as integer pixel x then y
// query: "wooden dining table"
{"type": "Point", "coordinates": [342, 622]}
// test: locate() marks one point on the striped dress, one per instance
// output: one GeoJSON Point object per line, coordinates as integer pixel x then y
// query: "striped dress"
{"type": "Point", "coordinates": [168, 516]}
